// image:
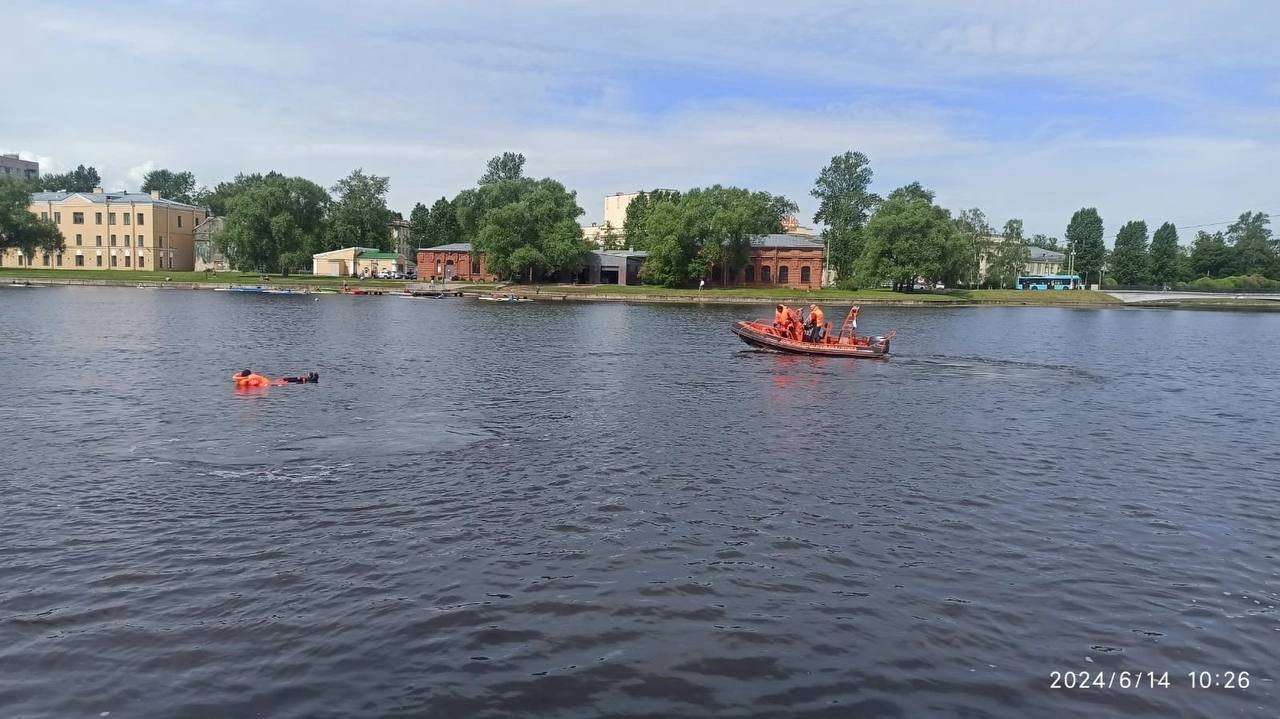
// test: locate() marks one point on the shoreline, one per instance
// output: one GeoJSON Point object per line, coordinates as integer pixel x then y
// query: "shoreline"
{"type": "Point", "coordinates": [308, 284]}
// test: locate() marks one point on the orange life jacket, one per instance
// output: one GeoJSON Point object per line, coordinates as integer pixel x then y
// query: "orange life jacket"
{"type": "Point", "coordinates": [816, 316]}
{"type": "Point", "coordinates": [252, 380]}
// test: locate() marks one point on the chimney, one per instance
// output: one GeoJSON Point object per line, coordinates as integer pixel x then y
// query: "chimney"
{"type": "Point", "coordinates": [98, 191]}
{"type": "Point", "coordinates": [155, 194]}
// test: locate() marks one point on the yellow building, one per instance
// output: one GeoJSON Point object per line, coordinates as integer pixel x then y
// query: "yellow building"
{"type": "Point", "coordinates": [115, 231]}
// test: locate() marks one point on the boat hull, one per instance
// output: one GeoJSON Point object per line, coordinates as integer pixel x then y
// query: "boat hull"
{"type": "Point", "coordinates": [759, 335]}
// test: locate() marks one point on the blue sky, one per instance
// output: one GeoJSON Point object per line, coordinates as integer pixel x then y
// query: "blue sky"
{"type": "Point", "coordinates": [1147, 110]}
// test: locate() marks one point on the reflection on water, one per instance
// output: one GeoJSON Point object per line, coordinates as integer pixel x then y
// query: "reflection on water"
{"type": "Point", "coordinates": [577, 510]}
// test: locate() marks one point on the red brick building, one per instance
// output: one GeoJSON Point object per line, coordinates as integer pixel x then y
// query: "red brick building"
{"type": "Point", "coordinates": [782, 261]}
{"type": "Point", "coordinates": [452, 262]}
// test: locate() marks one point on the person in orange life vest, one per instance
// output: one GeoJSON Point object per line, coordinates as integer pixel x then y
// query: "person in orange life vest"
{"type": "Point", "coordinates": [794, 324]}
{"type": "Point", "coordinates": [246, 379]}
{"type": "Point", "coordinates": [813, 326]}
{"type": "Point", "coordinates": [780, 317]}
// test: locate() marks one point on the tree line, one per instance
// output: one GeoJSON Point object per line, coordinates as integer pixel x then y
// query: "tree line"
{"type": "Point", "coordinates": [528, 229]}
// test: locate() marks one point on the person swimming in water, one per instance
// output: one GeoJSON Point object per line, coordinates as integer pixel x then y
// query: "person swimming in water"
{"type": "Point", "coordinates": [246, 379]}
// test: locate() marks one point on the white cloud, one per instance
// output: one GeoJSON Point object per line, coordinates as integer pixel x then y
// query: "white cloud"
{"type": "Point", "coordinates": [621, 97]}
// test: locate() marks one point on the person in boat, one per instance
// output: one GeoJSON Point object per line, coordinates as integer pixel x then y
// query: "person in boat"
{"type": "Point", "coordinates": [780, 317]}
{"type": "Point", "coordinates": [814, 324]}
{"type": "Point", "coordinates": [795, 326]}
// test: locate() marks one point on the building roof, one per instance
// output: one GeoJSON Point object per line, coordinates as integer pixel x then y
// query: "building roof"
{"type": "Point", "coordinates": [377, 255]}
{"type": "Point", "coordinates": [1039, 254]}
{"type": "Point", "coordinates": [453, 247]}
{"type": "Point", "coordinates": [345, 250]}
{"type": "Point", "coordinates": [623, 253]}
{"type": "Point", "coordinates": [102, 198]}
{"type": "Point", "coordinates": [779, 240]}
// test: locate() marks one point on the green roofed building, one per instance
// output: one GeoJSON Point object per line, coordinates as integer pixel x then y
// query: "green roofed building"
{"type": "Point", "coordinates": [357, 262]}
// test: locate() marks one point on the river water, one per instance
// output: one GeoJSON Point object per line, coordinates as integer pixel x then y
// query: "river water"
{"type": "Point", "coordinates": [579, 510]}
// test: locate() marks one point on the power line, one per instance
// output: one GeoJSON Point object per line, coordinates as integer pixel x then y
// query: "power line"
{"type": "Point", "coordinates": [1224, 222]}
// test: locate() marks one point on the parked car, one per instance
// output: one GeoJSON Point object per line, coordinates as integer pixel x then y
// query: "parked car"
{"type": "Point", "coordinates": [411, 275]}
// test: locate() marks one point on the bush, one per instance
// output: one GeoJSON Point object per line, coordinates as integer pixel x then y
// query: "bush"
{"type": "Point", "coordinates": [1230, 284]}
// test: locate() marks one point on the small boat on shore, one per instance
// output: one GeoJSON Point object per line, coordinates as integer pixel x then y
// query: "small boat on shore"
{"type": "Point", "coordinates": [238, 288]}
{"type": "Point", "coordinates": [764, 335]}
{"type": "Point", "coordinates": [495, 297]}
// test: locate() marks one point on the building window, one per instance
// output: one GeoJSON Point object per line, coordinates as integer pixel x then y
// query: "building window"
{"type": "Point", "coordinates": [57, 218]}
{"type": "Point", "coordinates": [97, 218]}
{"type": "Point", "coordinates": [58, 260]}
{"type": "Point", "coordinates": [142, 261]}
{"type": "Point", "coordinates": [162, 240]}
{"type": "Point", "coordinates": [111, 218]}
{"type": "Point", "coordinates": [139, 240]}
{"type": "Point", "coordinates": [805, 274]}
{"type": "Point", "coordinates": [749, 274]}
{"type": "Point", "coordinates": [79, 260]}
{"type": "Point", "coordinates": [19, 258]}
{"type": "Point", "coordinates": [79, 240]}
{"type": "Point", "coordinates": [126, 260]}
{"type": "Point", "coordinates": [44, 216]}
{"type": "Point", "coordinates": [99, 258]}
{"type": "Point", "coordinates": [45, 259]}
{"type": "Point", "coordinates": [783, 274]}
{"type": "Point", "coordinates": [179, 220]}
{"type": "Point", "coordinates": [764, 273]}
{"type": "Point", "coordinates": [127, 217]}
{"type": "Point", "coordinates": [77, 218]}
{"type": "Point", "coordinates": [113, 240]}
{"type": "Point", "coordinates": [113, 260]}
{"type": "Point", "coordinates": [475, 265]}
{"type": "Point", "coordinates": [126, 240]}
{"type": "Point", "coordinates": [140, 218]}
{"type": "Point", "coordinates": [98, 241]}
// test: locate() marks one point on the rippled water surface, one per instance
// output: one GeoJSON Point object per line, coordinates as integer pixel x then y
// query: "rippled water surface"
{"type": "Point", "coordinates": [579, 510]}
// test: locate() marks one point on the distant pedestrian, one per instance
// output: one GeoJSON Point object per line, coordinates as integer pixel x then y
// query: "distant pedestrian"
{"type": "Point", "coordinates": [701, 284]}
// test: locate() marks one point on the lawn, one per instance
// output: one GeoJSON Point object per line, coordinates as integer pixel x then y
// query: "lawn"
{"type": "Point", "coordinates": [235, 278]}
{"type": "Point", "coordinates": [833, 295]}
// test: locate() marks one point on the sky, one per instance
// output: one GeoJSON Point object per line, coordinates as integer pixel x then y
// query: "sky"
{"type": "Point", "coordinates": [1156, 111]}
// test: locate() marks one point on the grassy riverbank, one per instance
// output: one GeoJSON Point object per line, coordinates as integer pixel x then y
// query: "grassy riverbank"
{"type": "Point", "coordinates": [746, 294]}
{"type": "Point", "coordinates": [186, 278]}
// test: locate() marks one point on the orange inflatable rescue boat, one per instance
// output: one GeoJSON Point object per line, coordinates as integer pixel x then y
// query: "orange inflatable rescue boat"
{"type": "Point", "coordinates": [782, 337]}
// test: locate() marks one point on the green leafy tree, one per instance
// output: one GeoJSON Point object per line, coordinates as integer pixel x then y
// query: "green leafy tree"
{"type": "Point", "coordinates": [633, 225]}
{"type": "Point", "coordinates": [974, 242]}
{"type": "Point", "coordinates": [1128, 263]}
{"type": "Point", "coordinates": [503, 216]}
{"type": "Point", "coordinates": [1084, 242]}
{"type": "Point", "coordinates": [507, 166]}
{"type": "Point", "coordinates": [1165, 256]}
{"type": "Point", "coordinates": [20, 227]}
{"type": "Point", "coordinates": [359, 216]}
{"type": "Point", "coordinates": [81, 179]}
{"type": "Point", "coordinates": [1211, 256]}
{"type": "Point", "coordinates": [1045, 242]}
{"type": "Point", "coordinates": [218, 199]}
{"type": "Point", "coordinates": [908, 237]}
{"type": "Point", "coordinates": [610, 239]}
{"type": "Point", "coordinates": [177, 186]}
{"type": "Point", "coordinates": [274, 225]}
{"type": "Point", "coordinates": [706, 233]}
{"type": "Point", "coordinates": [844, 204]}
{"type": "Point", "coordinates": [1009, 256]}
{"type": "Point", "coordinates": [420, 225]}
{"type": "Point", "coordinates": [442, 225]}
{"type": "Point", "coordinates": [1250, 237]}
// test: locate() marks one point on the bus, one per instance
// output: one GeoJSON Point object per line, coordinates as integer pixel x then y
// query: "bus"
{"type": "Point", "coordinates": [1048, 282]}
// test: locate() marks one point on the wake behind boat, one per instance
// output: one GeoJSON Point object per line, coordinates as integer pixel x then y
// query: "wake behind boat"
{"type": "Point", "coordinates": [785, 337]}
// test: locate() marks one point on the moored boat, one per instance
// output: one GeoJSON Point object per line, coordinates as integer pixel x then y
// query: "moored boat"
{"type": "Point", "coordinates": [495, 297]}
{"type": "Point", "coordinates": [765, 335]}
